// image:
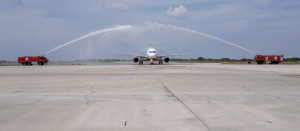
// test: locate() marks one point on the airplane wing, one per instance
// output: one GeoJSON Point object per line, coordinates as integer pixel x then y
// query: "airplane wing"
{"type": "Point", "coordinates": [124, 55]}
{"type": "Point", "coordinates": [179, 54]}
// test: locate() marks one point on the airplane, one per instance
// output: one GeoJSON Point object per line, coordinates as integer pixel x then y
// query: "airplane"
{"type": "Point", "coordinates": [151, 55]}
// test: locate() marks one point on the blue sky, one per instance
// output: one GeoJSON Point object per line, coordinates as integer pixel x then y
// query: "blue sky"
{"type": "Point", "coordinates": [33, 27]}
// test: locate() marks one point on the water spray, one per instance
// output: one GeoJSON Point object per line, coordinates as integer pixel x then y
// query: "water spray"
{"type": "Point", "coordinates": [200, 33]}
{"type": "Point", "coordinates": [128, 27]}
{"type": "Point", "coordinates": [118, 28]}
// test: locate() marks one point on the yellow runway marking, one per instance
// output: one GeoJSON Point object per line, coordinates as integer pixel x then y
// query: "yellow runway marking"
{"type": "Point", "coordinates": [298, 76]}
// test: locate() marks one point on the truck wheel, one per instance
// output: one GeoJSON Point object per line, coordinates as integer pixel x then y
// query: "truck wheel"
{"type": "Point", "coordinates": [23, 63]}
{"type": "Point", "coordinates": [41, 63]}
{"type": "Point", "coordinates": [260, 62]}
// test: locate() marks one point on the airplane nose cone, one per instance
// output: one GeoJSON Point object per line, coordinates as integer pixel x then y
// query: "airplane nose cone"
{"type": "Point", "coordinates": [153, 55]}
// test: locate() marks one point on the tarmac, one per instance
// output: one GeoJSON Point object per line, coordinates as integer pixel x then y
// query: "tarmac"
{"type": "Point", "coordinates": [170, 97]}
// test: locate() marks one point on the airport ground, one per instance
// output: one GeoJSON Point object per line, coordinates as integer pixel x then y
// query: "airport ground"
{"type": "Point", "coordinates": [172, 97]}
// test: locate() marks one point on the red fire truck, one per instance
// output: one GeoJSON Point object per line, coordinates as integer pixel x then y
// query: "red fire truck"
{"type": "Point", "coordinates": [28, 60]}
{"type": "Point", "coordinates": [268, 59]}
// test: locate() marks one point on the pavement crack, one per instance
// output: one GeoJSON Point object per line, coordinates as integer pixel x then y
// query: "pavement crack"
{"type": "Point", "coordinates": [86, 97]}
{"type": "Point", "coordinates": [182, 102]}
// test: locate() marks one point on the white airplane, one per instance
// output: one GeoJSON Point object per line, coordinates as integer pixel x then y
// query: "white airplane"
{"type": "Point", "coordinates": [151, 55]}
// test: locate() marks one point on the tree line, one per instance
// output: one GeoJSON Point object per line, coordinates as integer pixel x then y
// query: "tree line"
{"type": "Point", "coordinates": [202, 59]}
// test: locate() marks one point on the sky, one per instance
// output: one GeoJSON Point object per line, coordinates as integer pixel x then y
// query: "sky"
{"type": "Point", "coordinates": [34, 27]}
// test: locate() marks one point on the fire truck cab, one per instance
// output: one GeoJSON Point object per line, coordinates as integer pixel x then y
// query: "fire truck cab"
{"type": "Point", "coordinates": [268, 59]}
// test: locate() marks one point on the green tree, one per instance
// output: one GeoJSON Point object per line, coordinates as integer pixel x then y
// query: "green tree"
{"type": "Point", "coordinates": [200, 58]}
{"type": "Point", "coordinates": [225, 59]}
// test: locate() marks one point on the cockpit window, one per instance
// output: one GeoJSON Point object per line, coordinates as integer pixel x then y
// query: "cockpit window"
{"type": "Point", "coordinates": [151, 51]}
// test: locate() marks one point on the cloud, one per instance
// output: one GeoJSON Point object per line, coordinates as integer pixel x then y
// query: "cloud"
{"type": "Point", "coordinates": [117, 6]}
{"type": "Point", "coordinates": [179, 12]}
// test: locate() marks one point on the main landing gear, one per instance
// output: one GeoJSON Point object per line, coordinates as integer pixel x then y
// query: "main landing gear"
{"type": "Point", "coordinates": [152, 63]}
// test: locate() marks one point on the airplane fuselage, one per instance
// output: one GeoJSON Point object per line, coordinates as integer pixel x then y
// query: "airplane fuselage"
{"type": "Point", "coordinates": [151, 54]}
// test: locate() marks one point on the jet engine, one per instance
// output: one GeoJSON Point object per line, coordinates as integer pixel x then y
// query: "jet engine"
{"type": "Point", "coordinates": [135, 59]}
{"type": "Point", "coordinates": [167, 59]}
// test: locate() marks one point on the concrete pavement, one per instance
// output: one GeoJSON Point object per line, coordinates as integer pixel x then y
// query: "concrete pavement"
{"type": "Point", "coordinates": [189, 97]}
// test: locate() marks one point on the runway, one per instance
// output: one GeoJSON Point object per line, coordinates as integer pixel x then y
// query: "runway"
{"type": "Point", "coordinates": [171, 97]}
